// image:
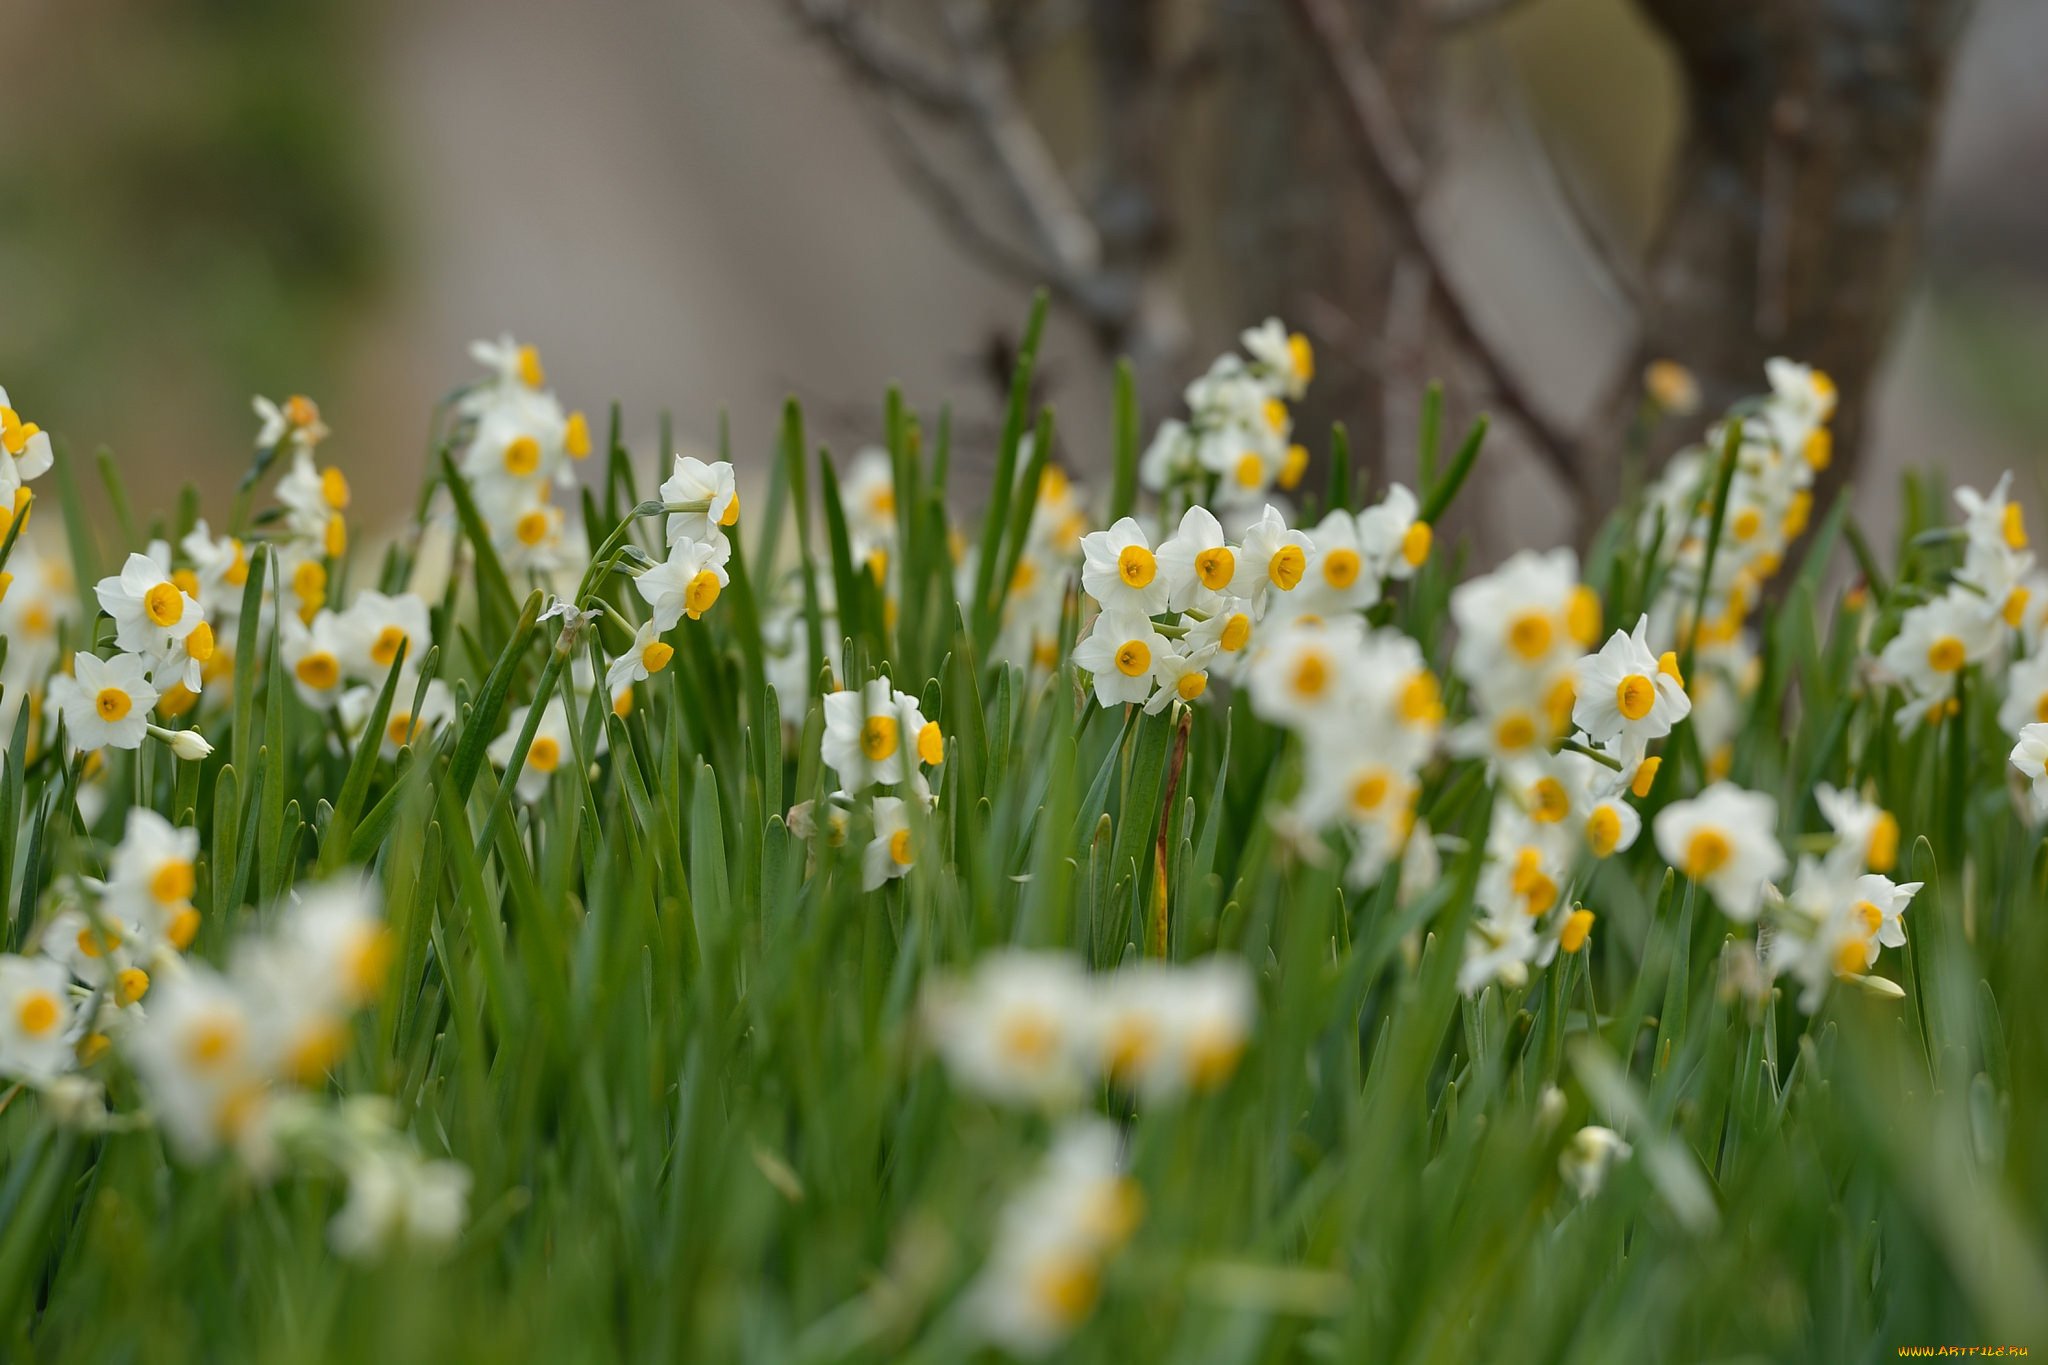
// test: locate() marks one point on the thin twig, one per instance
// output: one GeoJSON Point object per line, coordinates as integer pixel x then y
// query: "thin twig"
{"type": "Point", "coordinates": [879, 57]}
{"type": "Point", "coordinates": [1020, 154]}
{"type": "Point", "coordinates": [1389, 160]}
{"type": "Point", "coordinates": [1452, 15]}
{"type": "Point", "coordinates": [1614, 265]}
{"type": "Point", "coordinates": [950, 206]}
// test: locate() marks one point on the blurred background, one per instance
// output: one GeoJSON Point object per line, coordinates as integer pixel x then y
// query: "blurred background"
{"type": "Point", "coordinates": [713, 203]}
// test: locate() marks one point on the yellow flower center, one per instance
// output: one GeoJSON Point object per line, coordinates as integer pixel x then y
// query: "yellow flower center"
{"type": "Point", "coordinates": [931, 743]}
{"type": "Point", "coordinates": [1251, 470]}
{"type": "Point", "coordinates": [899, 848]}
{"type": "Point", "coordinates": [318, 670]}
{"type": "Point", "coordinates": [1819, 450]}
{"type": "Point", "coordinates": [1582, 615]}
{"type": "Point", "coordinates": [530, 372]}
{"type": "Point", "coordinates": [1746, 524]}
{"type": "Point", "coordinates": [1706, 853]}
{"type": "Point", "coordinates": [532, 527]}
{"type": "Point", "coordinates": [1065, 1287]}
{"type": "Point", "coordinates": [2014, 612]}
{"type": "Point", "coordinates": [1369, 791]}
{"type": "Point", "coordinates": [336, 539]}
{"type": "Point", "coordinates": [654, 656]}
{"type": "Point", "coordinates": [367, 962]}
{"type": "Point", "coordinates": [172, 882]}
{"type": "Point", "coordinates": [184, 928]}
{"type": "Point", "coordinates": [1134, 658]}
{"type": "Point", "coordinates": [1212, 1055]}
{"type": "Point", "coordinates": [2015, 526]}
{"type": "Point", "coordinates": [1028, 1036]}
{"type": "Point", "coordinates": [1302, 356]}
{"type": "Point", "coordinates": [93, 942]}
{"type": "Point", "coordinates": [1191, 686]}
{"type": "Point", "coordinates": [112, 704]}
{"type": "Point", "coordinates": [399, 730]}
{"type": "Point", "coordinates": [1421, 701]}
{"type": "Point", "coordinates": [1515, 731]}
{"type": "Point", "coordinates": [1340, 568]}
{"type": "Point", "coordinates": [701, 593]}
{"type": "Point", "coordinates": [316, 1050]}
{"type": "Point", "coordinates": [1286, 567]}
{"type": "Point", "coordinates": [1236, 632]}
{"type": "Point", "coordinates": [1415, 543]}
{"type": "Point", "coordinates": [1293, 465]}
{"type": "Point", "coordinates": [1276, 414]}
{"type": "Point", "coordinates": [1216, 567]}
{"type": "Point", "coordinates": [576, 436]}
{"type": "Point", "coordinates": [309, 581]}
{"type": "Point", "coordinates": [1635, 695]}
{"type": "Point", "coordinates": [1530, 634]}
{"type": "Point", "coordinates": [213, 1041]}
{"type": "Point", "coordinates": [1135, 566]}
{"type": "Point", "coordinates": [1883, 853]}
{"type": "Point", "coordinates": [130, 985]}
{"type": "Point", "coordinates": [1797, 514]}
{"type": "Point", "coordinates": [164, 604]}
{"type": "Point", "coordinates": [36, 1014]}
{"type": "Point", "coordinates": [1311, 674]}
{"type": "Point", "coordinates": [1578, 926]}
{"type": "Point", "coordinates": [1532, 882]}
{"type": "Point", "coordinates": [1603, 830]}
{"type": "Point", "coordinates": [334, 488]}
{"type": "Point", "coordinates": [1946, 654]}
{"type": "Point", "coordinates": [1549, 802]}
{"type": "Point", "coordinates": [522, 456]}
{"type": "Point", "coordinates": [731, 515]}
{"type": "Point", "coordinates": [199, 644]}
{"type": "Point", "coordinates": [385, 648]}
{"type": "Point", "coordinates": [301, 411]}
{"type": "Point", "coordinates": [1646, 773]}
{"type": "Point", "coordinates": [544, 754]}
{"type": "Point", "coordinates": [878, 738]}
{"type": "Point", "coordinates": [15, 433]}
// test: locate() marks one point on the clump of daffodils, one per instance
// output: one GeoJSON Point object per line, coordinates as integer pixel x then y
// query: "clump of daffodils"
{"type": "Point", "coordinates": [1053, 1239]}
{"type": "Point", "coordinates": [518, 445]}
{"type": "Point", "coordinates": [1238, 436]}
{"type": "Point", "coordinates": [1779, 443]}
{"type": "Point", "coordinates": [1989, 617]}
{"type": "Point", "coordinates": [1035, 1028]}
{"type": "Point", "coordinates": [235, 1059]}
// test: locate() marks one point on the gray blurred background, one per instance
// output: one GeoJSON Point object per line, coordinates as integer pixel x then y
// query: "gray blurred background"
{"type": "Point", "coordinates": [706, 203]}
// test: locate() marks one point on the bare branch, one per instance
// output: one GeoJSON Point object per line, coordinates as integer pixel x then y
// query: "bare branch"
{"type": "Point", "coordinates": [1452, 15]}
{"type": "Point", "coordinates": [1392, 164]}
{"type": "Point", "coordinates": [950, 206]}
{"type": "Point", "coordinates": [1026, 163]}
{"type": "Point", "coordinates": [879, 57]}
{"type": "Point", "coordinates": [1614, 265]}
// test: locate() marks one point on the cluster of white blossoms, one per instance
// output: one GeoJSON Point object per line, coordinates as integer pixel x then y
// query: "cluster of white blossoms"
{"type": "Point", "coordinates": [518, 446]}
{"type": "Point", "coordinates": [236, 1059]}
{"type": "Point", "coordinates": [1238, 438]}
{"type": "Point", "coordinates": [1990, 616]}
{"type": "Point", "coordinates": [1784, 442]}
{"type": "Point", "coordinates": [1052, 1239]}
{"type": "Point", "coordinates": [1035, 1028]}
{"type": "Point", "coordinates": [1206, 602]}
{"type": "Point", "coordinates": [877, 738]}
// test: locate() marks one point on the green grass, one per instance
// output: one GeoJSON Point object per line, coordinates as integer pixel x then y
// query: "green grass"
{"type": "Point", "coordinates": [679, 1048]}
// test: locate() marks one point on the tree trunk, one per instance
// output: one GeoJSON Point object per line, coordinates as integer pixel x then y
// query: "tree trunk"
{"type": "Point", "coordinates": [1796, 198]}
